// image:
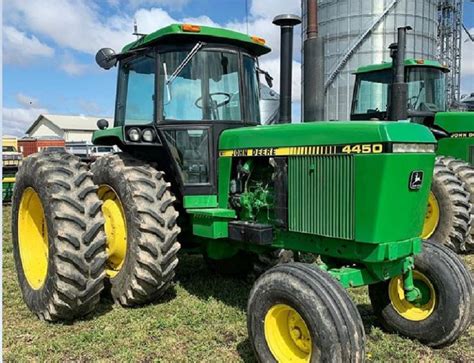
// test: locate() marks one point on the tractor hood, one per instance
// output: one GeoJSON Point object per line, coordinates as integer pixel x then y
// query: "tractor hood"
{"type": "Point", "coordinates": [324, 134]}
{"type": "Point", "coordinates": [455, 122]}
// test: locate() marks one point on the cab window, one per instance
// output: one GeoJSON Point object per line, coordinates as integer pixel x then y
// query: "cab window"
{"type": "Point", "coordinates": [371, 95]}
{"type": "Point", "coordinates": [204, 87]}
{"type": "Point", "coordinates": [136, 101]}
{"type": "Point", "coordinates": [252, 84]}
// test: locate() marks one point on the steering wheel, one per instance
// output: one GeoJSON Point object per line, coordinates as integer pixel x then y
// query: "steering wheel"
{"type": "Point", "coordinates": [215, 104]}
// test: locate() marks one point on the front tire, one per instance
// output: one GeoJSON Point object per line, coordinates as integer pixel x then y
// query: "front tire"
{"type": "Point", "coordinates": [58, 237]}
{"type": "Point", "coordinates": [297, 312]}
{"type": "Point", "coordinates": [140, 226]}
{"type": "Point", "coordinates": [444, 311]}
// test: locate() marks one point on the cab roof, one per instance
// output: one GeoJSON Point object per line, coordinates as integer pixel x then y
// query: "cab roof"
{"type": "Point", "coordinates": [408, 62]}
{"type": "Point", "coordinates": [176, 33]}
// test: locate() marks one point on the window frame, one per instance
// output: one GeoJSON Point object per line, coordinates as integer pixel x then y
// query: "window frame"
{"type": "Point", "coordinates": [214, 47]}
{"type": "Point", "coordinates": [122, 88]}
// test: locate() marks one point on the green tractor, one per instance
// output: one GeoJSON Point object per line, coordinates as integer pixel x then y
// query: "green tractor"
{"type": "Point", "coordinates": [196, 167]}
{"type": "Point", "coordinates": [450, 213]}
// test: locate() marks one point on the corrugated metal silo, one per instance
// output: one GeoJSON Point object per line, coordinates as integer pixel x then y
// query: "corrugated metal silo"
{"type": "Point", "coordinates": [358, 32]}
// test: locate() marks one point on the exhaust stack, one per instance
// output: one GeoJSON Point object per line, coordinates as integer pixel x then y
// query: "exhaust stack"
{"type": "Point", "coordinates": [313, 67]}
{"type": "Point", "coordinates": [286, 22]}
{"type": "Point", "coordinates": [398, 108]}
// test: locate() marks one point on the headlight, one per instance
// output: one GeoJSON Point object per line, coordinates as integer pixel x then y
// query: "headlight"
{"type": "Point", "coordinates": [134, 135]}
{"type": "Point", "coordinates": [414, 148]}
{"type": "Point", "coordinates": [148, 135]}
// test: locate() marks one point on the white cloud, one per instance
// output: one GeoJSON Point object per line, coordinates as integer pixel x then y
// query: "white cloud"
{"type": "Point", "coordinates": [150, 20]}
{"type": "Point", "coordinates": [19, 48]}
{"type": "Point", "coordinates": [260, 24]}
{"type": "Point", "coordinates": [90, 107]}
{"type": "Point", "coordinates": [26, 101]}
{"type": "Point", "coordinates": [261, 8]}
{"type": "Point", "coordinates": [201, 20]}
{"type": "Point", "coordinates": [467, 63]}
{"type": "Point", "coordinates": [17, 120]}
{"type": "Point", "coordinates": [72, 67]}
{"type": "Point", "coordinates": [170, 4]}
{"type": "Point", "coordinates": [76, 25]}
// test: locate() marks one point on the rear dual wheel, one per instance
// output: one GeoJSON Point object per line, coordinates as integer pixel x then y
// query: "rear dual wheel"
{"type": "Point", "coordinates": [140, 226]}
{"type": "Point", "coordinates": [58, 237]}
{"type": "Point", "coordinates": [299, 313]}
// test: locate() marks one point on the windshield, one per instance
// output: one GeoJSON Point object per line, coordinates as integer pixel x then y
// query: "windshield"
{"type": "Point", "coordinates": [426, 90]}
{"type": "Point", "coordinates": [206, 88]}
{"type": "Point", "coordinates": [8, 149]}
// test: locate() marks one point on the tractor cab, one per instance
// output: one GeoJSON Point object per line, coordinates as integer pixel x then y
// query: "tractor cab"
{"type": "Point", "coordinates": [178, 89]}
{"type": "Point", "coordinates": [426, 91]}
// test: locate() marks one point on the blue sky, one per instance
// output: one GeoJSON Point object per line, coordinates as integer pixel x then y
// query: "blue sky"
{"type": "Point", "coordinates": [49, 48]}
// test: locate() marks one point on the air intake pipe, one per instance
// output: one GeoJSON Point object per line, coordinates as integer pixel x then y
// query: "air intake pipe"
{"type": "Point", "coordinates": [313, 69]}
{"type": "Point", "coordinates": [398, 108]}
{"type": "Point", "coordinates": [286, 22]}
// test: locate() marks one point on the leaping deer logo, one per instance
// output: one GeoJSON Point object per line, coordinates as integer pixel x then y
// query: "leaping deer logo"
{"type": "Point", "coordinates": [416, 180]}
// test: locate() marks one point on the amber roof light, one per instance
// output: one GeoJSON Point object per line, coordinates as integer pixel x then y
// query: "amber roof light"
{"type": "Point", "coordinates": [190, 28]}
{"type": "Point", "coordinates": [258, 40]}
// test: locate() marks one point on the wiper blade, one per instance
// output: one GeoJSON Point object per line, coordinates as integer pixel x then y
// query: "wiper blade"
{"type": "Point", "coordinates": [185, 62]}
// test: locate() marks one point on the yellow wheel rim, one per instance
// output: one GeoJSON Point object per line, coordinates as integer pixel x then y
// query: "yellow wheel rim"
{"type": "Point", "coordinates": [115, 230]}
{"type": "Point", "coordinates": [287, 335]}
{"type": "Point", "coordinates": [414, 311]}
{"type": "Point", "coordinates": [33, 238]}
{"type": "Point", "coordinates": [431, 217]}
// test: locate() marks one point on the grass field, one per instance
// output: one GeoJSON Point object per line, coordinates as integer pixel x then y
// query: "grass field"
{"type": "Point", "coordinates": [201, 319]}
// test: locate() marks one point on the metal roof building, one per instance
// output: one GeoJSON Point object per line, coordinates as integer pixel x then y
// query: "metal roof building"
{"type": "Point", "coordinates": [67, 127]}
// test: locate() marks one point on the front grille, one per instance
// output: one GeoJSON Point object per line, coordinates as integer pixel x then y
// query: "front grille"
{"type": "Point", "coordinates": [321, 195]}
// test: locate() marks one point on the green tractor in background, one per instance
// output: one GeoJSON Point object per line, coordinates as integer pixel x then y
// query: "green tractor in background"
{"type": "Point", "coordinates": [450, 213]}
{"type": "Point", "coordinates": [197, 167]}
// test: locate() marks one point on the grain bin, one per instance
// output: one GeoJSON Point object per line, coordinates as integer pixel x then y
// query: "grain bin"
{"type": "Point", "coordinates": [358, 32]}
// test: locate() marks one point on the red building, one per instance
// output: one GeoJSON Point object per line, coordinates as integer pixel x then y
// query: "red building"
{"type": "Point", "coordinates": [31, 145]}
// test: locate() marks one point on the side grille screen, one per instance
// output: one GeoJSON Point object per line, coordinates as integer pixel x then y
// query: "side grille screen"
{"type": "Point", "coordinates": [321, 195]}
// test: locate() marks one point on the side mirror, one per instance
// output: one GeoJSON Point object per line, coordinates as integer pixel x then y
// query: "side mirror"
{"type": "Point", "coordinates": [106, 58]}
{"type": "Point", "coordinates": [268, 78]}
{"type": "Point", "coordinates": [102, 124]}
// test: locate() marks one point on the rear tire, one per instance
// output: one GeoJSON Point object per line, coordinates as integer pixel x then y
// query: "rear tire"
{"type": "Point", "coordinates": [238, 265]}
{"type": "Point", "coordinates": [446, 315]}
{"type": "Point", "coordinates": [297, 311]}
{"type": "Point", "coordinates": [465, 172]}
{"type": "Point", "coordinates": [453, 209]}
{"type": "Point", "coordinates": [266, 261]}
{"type": "Point", "coordinates": [60, 262]}
{"type": "Point", "coordinates": [245, 263]}
{"type": "Point", "coordinates": [148, 267]}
